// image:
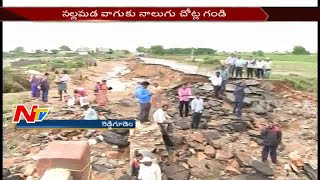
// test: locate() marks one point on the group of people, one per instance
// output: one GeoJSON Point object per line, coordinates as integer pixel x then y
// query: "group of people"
{"type": "Point", "coordinates": [255, 68]}
{"type": "Point", "coordinates": [152, 100]}
{"type": "Point", "coordinates": [271, 134]}
{"type": "Point", "coordinates": [40, 85]}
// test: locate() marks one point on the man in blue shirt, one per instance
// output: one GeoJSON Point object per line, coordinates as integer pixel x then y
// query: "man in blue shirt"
{"type": "Point", "coordinates": [239, 97]}
{"type": "Point", "coordinates": [143, 96]}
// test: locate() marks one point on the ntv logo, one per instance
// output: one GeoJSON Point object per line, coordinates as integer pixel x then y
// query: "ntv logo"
{"type": "Point", "coordinates": [36, 115]}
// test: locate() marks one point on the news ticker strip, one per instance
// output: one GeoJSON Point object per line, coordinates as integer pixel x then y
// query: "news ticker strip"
{"type": "Point", "coordinates": [78, 124]}
{"type": "Point", "coordinates": [159, 14]}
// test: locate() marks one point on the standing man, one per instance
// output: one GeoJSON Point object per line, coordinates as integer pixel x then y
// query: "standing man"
{"type": "Point", "coordinates": [239, 63]}
{"type": "Point", "coordinates": [197, 109]}
{"type": "Point", "coordinates": [184, 93]}
{"type": "Point", "coordinates": [65, 79]}
{"type": "Point", "coordinates": [144, 97]}
{"type": "Point", "coordinates": [44, 86]}
{"type": "Point", "coordinates": [230, 62]}
{"type": "Point", "coordinates": [268, 68]}
{"type": "Point", "coordinates": [216, 81]}
{"type": "Point", "coordinates": [260, 69]}
{"type": "Point", "coordinates": [225, 77]}
{"type": "Point", "coordinates": [251, 63]}
{"type": "Point", "coordinates": [239, 97]}
{"type": "Point", "coordinates": [271, 136]}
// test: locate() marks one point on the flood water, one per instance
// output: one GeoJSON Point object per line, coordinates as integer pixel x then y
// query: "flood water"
{"type": "Point", "coordinates": [185, 68]}
{"type": "Point", "coordinates": [114, 76]}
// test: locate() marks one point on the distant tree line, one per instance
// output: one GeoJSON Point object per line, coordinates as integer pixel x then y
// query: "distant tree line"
{"type": "Point", "coordinates": [159, 50]}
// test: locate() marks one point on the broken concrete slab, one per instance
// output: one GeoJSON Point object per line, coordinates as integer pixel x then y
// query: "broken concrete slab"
{"type": "Point", "coordinates": [261, 167]}
{"type": "Point", "coordinates": [73, 155]}
{"type": "Point", "coordinates": [57, 173]}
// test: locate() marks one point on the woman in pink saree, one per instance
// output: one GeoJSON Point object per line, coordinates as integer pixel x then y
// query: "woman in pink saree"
{"type": "Point", "coordinates": [102, 97]}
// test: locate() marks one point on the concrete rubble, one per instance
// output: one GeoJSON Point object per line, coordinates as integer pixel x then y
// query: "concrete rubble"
{"type": "Point", "coordinates": [224, 147]}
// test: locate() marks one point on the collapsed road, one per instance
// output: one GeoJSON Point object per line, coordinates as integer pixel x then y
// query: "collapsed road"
{"type": "Point", "coordinates": [224, 148]}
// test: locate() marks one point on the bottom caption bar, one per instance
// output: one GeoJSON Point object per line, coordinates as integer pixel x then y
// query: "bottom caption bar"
{"type": "Point", "coordinates": [78, 124]}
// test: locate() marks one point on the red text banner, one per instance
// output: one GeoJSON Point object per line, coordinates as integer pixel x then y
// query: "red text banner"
{"type": "Point", "coordinates": [133, 14]}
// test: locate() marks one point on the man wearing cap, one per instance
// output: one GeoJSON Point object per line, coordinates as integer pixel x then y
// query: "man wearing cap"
{"type": "Point", "coordinates": [230, 62]}
{"type": "Point", "coordinates": [149, 170]}
{"type": "Point", "coordinates": [239, 97]}
{"type": "Point", "coordinates": [143, 96]}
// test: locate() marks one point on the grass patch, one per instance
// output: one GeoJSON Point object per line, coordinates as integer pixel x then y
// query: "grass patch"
{"type": "Point", "coordinates": [300, 83]}
{"type": "Point", "coordinates": [300, 71]}
{"type": "Point", "coordinates": [10, 103]}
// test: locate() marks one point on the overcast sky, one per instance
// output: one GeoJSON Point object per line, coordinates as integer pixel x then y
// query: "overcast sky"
{"type": "Point", "coordinates": [266, 36]}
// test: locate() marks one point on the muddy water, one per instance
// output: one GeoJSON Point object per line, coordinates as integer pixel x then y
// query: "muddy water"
{"type": "Point", "coordinates": [114, 80]}
{"type": "Point", "coordinates": [185, 68]}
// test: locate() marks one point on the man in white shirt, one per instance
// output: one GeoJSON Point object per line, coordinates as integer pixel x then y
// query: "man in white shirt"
{"type": "Point", "coordinates": [268, 68]}
{"type": "Point", "coordinates": [197, 109]}
{"type": "Point", "coordinates": [216, 81]}
{"type": "Point", "coordinates": [230, 62]}
{"type": "Point", "coordinates": [149, 170]}
{"type": "Point", "coordinates": [260, 66]}
{"type": "Point", "coordinates": [251, 64]}
{"type": "Point", "coordinates": [162, 119]}
{"type": "Point", "coordinates": [240, 63]}
{"type": "Point", "coordinates": [160, 116]}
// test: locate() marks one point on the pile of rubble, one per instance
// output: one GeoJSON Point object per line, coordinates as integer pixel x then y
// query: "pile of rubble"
{"type": "Point", "coordinates": [108, 149]}
{"type": "Point", "coordinates": [230, 148]}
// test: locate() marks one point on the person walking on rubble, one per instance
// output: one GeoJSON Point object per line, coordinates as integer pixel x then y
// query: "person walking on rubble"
{"type": "Point", "coordinates": [161, 117]}
{"type": "Point", "coordinates": [102, 97]}
{"type": "Point", "coordinates": [197, 109]}
{"type": "Point", "coordinates": [149, 170]}
{"type": "Point", "coordinates": [144, 96]}
{"type": "Point", "coordinates": [271, 136]}
{"type": "Point", "coordinates": [184, 93]}
{"type": "Point", "coordinates": [239, 97]}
